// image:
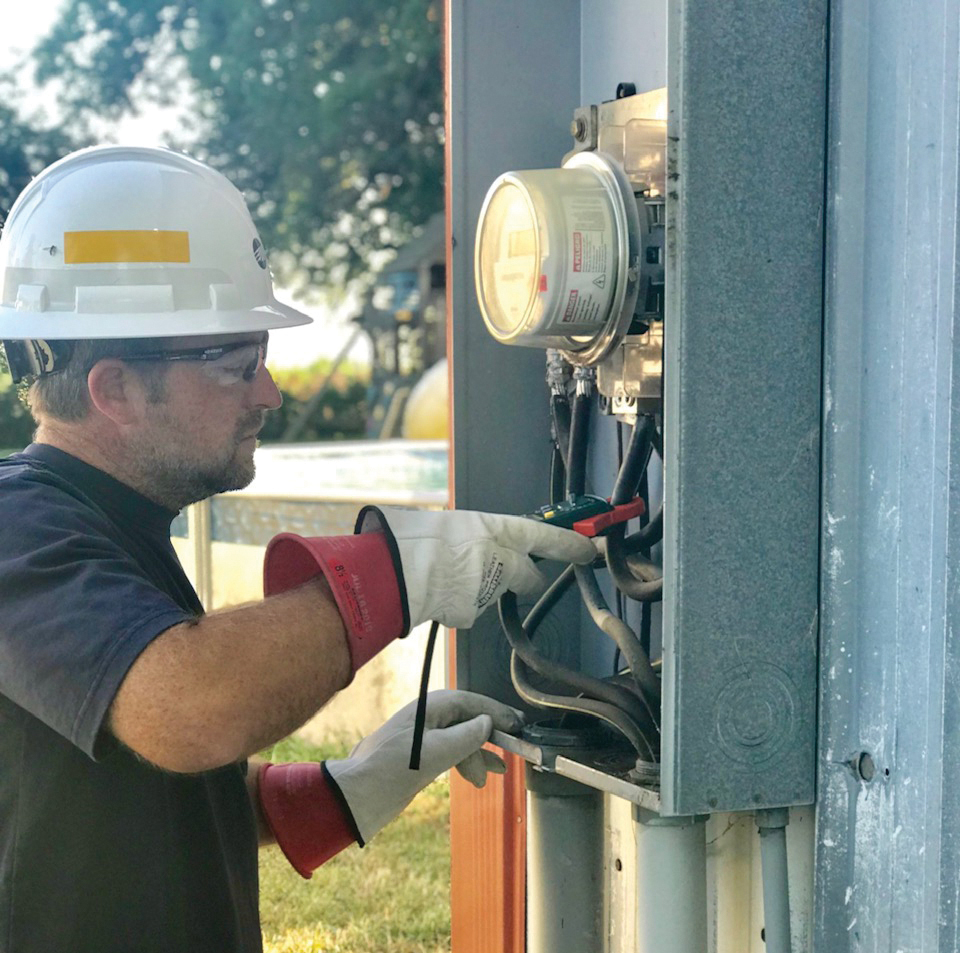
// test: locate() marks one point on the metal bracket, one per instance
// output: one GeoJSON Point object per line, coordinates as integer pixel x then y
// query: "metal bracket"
{"type": "Point", "coordinates": [603, 770]}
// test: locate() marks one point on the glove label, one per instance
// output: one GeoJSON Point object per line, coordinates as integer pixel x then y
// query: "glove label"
{"type": "Point", "coordinates": [353, 600]}
{"type": "Point", "coordinates": [490, 581]}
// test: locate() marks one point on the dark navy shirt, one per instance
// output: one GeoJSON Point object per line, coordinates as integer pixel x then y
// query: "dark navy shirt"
{"type": "Point", "coordinates": [100, 851]}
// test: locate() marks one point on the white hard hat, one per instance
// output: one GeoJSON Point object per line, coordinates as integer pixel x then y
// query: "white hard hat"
{"type": "Point", "coordinates": [123, 242]}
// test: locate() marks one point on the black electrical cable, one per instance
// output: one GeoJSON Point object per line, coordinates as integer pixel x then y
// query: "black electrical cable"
{"type": "Point", "coordinates": [617, 629]}
{"type": "Point", "coordinates": [647, 536]}
{"type": "Point", "coordinates": [577, 447]}
{"type": "Point", "coordinates": [420, 720]}
{"type": "Point", "coordinates": [618, 595]}
{"type": "Point", "coordinates": [609, 713]}
{"type": "Point", "coordinates": [646, 611]}
{"type": "Point", "coordinates": [634, 462]}
{"type": "Point", "coordinates": [631, 473]}
{"type": "Point", "coordinates": [549, 599]}
{"type": "Point", "coordinates": [560, 417]}
{"type": "Point", "coordinates": [636, 578]}
{"type": "Point", "coordinates": [622, 634]}
{"type": "Point", "coordinates": [558, 476]}
{"type": "Point", "coordinates": [617, 695]}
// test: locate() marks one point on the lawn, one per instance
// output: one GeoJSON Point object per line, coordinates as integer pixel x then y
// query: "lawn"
{"type": "Point", "coordinates": [390, 897]}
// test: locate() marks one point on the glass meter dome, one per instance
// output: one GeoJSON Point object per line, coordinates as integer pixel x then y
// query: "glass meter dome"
{"type": "Point", "coordinates": [557, 257]}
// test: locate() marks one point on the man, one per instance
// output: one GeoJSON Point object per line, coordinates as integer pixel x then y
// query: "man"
{"type": "Point", "coordinates": [135, 296]}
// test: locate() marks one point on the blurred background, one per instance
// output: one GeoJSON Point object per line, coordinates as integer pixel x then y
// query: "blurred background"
{"type": "Point", "coordinates": [327, 116]}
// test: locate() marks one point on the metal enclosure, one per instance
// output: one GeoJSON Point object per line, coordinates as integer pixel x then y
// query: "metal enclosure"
{"type": "Point", "coordinates": [747, 91]}
{"type": "Point", "coordinates": [743, 339]}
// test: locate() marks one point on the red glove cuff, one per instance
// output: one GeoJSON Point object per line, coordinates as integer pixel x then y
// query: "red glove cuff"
{"type": "Point", "coordinates": [362, 574]}
{"type": "Point", "coordinates": [306, 813]}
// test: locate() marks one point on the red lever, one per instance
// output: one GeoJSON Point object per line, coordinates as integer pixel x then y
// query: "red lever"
{"type": "Point", "coordinates": [595, 525]}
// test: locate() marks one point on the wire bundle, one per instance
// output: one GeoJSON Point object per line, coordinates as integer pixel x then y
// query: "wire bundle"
{"type": "Point", "coordinates": [629, 702]}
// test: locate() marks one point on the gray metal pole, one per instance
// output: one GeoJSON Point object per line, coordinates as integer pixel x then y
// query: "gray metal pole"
{"type": "Point", "coordinates": [888, 786]}
{"type": "Point", "coordinates": [671, 883]}
{"type": "Point", "coordinates": [772, 825]}
{"type": "Point", "coordinates": [564, 865]}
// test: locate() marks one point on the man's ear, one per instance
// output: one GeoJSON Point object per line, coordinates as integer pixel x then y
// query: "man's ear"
{"type": "Point", "coordinates": [116, 392]}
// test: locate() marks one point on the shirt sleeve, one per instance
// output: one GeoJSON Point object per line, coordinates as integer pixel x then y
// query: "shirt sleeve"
{"type": "Point", "coordinates": [77, 609]}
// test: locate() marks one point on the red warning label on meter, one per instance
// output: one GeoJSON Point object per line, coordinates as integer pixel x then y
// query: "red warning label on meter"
{"type": "Point", "coordinates": [590, 252]}
{"type": "Point", "coordinates": [582, 308]}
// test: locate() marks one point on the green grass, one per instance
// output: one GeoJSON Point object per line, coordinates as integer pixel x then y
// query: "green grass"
{"type": "Point", "coordinates": [390, 897]}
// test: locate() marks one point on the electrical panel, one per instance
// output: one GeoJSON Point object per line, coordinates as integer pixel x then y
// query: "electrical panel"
{"type": "Point", "coordinates": [619, 264]}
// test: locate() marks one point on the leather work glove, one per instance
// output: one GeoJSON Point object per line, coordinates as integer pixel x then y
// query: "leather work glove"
{"type": "Point", "coordinates": [316, 810]}
{"type": "Point", "coordinates": [375, 781]}
{"type": "Point", "coordinates": [403, 567]}
{"type": "Point", "coordinates": [456, 563]}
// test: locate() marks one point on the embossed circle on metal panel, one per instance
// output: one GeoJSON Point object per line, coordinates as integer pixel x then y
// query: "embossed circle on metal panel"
{"type": "Point", "coordinates": [755, 712]}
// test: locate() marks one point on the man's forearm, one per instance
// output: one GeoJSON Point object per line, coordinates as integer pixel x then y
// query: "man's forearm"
{"type": "Point", "coordinates": [206, 694]}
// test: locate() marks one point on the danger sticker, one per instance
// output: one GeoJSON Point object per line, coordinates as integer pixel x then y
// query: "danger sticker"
{"type": "Point", "coordinates": [571, 307]}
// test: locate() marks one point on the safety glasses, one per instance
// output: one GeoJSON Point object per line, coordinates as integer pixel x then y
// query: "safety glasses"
{"type": "Point", "coordinates": [226, 363]}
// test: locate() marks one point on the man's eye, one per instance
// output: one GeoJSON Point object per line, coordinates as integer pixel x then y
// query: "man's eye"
{"type": "Point", "coordinates": [224, 371]}
{"type": "Point", "coordinates": [232, 367]}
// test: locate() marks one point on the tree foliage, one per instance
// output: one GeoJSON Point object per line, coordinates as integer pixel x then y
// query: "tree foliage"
{"type": "Point", "coordinates": [25, 148]}
{"type": "Point", "coordinates": [327, 115]}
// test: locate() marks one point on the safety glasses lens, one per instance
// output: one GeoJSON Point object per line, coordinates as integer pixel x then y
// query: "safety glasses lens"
{"type": "Point", "coordinates": [240, 364]}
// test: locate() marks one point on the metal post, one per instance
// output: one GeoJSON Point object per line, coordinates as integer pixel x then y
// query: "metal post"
{"type": "Point", "coordinates": [199, 528]}
{"type": "Point", "coordinates": [772, 825]}
{"type": "Point", "coordinates": [564, 865]}
{"type": "Point", "coordinates": [671, 883]}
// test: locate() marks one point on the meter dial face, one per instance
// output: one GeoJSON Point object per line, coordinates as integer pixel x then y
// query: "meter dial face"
{"type": "Point", "coordinates": [553, 257]}
{"type": "Point", "coordinates": [508, 265]}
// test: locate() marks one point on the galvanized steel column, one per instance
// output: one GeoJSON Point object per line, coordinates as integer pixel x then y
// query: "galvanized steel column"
{"type": "Point", "coordinates": [888, 853]}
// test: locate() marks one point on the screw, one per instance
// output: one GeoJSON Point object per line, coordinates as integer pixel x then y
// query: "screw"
{"type": "Point", "coordinates": [865, 767]}
{"type": "Point", "coordinates": [578, 129]}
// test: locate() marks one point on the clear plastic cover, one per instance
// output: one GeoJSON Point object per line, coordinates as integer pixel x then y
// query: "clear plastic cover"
{"type": "Point", "coordinates": [509, 259]}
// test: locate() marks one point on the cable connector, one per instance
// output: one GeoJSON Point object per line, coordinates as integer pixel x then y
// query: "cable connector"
{"type": "Point", "coordinates": [558, 372]}
{"type": "Point", "coordinates": [585, 378]}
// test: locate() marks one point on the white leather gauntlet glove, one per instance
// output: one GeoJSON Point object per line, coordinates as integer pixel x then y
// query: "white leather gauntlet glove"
{"type": "Point", "coordinates": [375, 782]}
{"type": "Point", "coordinates": [403, 567]}
{"type": "Point", "coordinates": [455, 563]}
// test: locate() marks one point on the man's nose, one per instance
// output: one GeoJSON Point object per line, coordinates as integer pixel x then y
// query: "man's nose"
{"type": "Point", "coordinates": [265, 392]}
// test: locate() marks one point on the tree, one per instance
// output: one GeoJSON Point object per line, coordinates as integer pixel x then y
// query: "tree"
{"type": "Point", "coordinates": [25, 148]}
{"type": "Point", "coordinates": [327, 115]}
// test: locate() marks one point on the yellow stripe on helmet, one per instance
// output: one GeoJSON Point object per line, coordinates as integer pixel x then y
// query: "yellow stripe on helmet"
{"type": "Point", "coordinates": [86, 248]}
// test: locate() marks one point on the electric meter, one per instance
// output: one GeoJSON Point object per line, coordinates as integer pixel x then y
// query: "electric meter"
{"type": "Point", "coordinates": [557, 257]}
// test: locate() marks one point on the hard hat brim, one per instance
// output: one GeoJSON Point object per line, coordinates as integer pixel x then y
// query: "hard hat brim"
{"type": "Point", "coordinates": [61, 325]}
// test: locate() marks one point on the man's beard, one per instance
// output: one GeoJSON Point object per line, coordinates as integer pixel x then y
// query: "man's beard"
{"type": "Point", "coordinates": [176, 481]}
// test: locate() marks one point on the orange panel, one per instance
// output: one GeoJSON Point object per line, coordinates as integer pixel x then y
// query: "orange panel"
{"type": "Point", "coordinates": [488, 862]}
{"type": "Point", "coordinates": [84, 248]}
